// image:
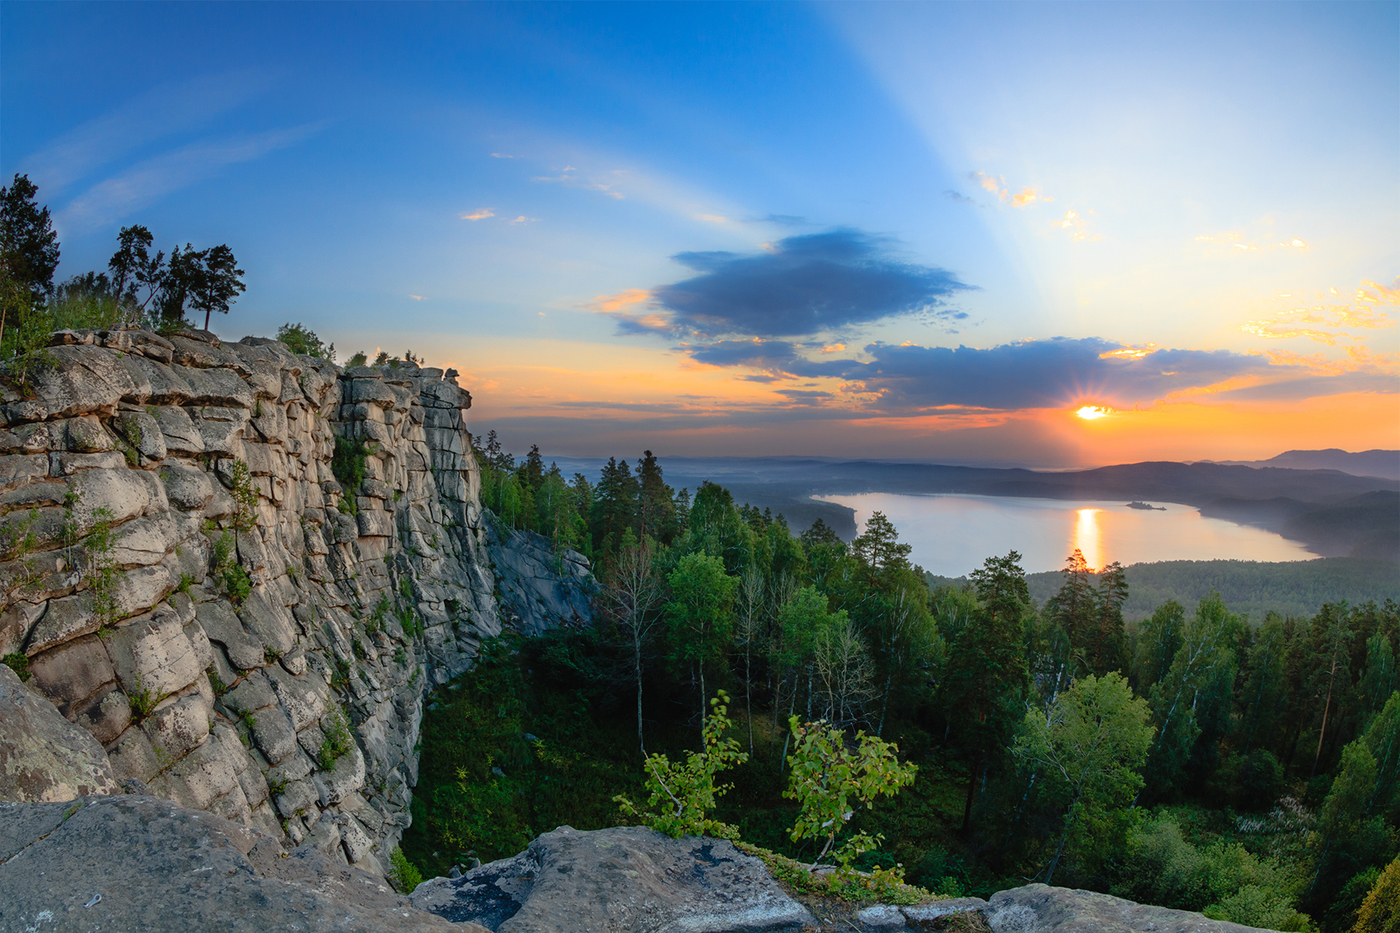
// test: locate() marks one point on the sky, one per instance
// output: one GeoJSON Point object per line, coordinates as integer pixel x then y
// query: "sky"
{"type": "Point", "coordinates": [942, 232]}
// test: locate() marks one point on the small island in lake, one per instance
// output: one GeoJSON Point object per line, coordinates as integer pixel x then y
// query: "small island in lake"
{"type": "Point", "coordinates": [1135, 504]}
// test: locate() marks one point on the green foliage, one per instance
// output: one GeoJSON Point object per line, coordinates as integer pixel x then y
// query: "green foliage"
{"type": "Point", "coordinates": [19, 664]}
{"type": "Point", "coordinates": [1220, 878]}
{"type": "Point", "coordinates": [245, 496]}
{"type": "Point", "coordinates": [885, 885]}
{"type": "Point", "coordinates": [337, 742]}
{"type": "Point", "coordinates": [1380, 912]}
{"type": "Point", "coordinates": [827, 777]}
{"type": "Point", "coordinates": [348, 463]}
{"type": "Point", "coordinates": [1089, 746]}
{"type": "Point", "coordinates": [142, 701]}
{"type": "Point", "coordinates": [402, 873]}
{"type": "Point", "coordinates": [301, 340]}
{"type": "Point", "coordinates": [680, 795]}
{"type": "Point", "coordinates": [543, 714]}
{"type": "Point", "coordinates": [357, 359]}
{"type": "Point", "coordinates": [101, 569]}
{"type": "Point", "coordinates": [237, 584]}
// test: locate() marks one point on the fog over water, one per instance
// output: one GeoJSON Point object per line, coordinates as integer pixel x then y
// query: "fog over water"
{"type": "Point", "coordinates": [953, 534]}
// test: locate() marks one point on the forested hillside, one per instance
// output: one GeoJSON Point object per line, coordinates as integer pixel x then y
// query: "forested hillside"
{"type": "Point", "coordinates": [1253, 588]}
{"type": "Point", "coordinates": [1195, 758]}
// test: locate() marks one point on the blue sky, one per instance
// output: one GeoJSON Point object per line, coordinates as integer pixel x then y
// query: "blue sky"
{"type": "Point", "coordinates": [931, 230]}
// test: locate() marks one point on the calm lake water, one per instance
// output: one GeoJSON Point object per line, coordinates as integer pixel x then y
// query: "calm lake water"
{"type": "Point", "coordinates": [953, 534]}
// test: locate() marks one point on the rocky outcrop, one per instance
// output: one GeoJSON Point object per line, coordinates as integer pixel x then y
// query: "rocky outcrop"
{"type": "Point", "coordinates": [537, 587]}
{"type": "Point", "coordinates": [43, 756]}
{"type": "Point", "coordinates": [239, 570]}
{"type": "Point", "coordinates": [143, 863]}
{"type": "Point", "coordinates": [623, 880]}
{"type": "Point", "coordinates": [1039, 908]}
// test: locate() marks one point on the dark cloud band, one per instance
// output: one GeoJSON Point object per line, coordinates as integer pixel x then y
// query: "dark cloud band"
{"type": "Point", "coordinates": [806, 285]}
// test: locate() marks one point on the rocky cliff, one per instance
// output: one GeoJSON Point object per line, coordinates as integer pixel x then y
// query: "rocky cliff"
{"type": "Point", "coordinates": [240, 570]}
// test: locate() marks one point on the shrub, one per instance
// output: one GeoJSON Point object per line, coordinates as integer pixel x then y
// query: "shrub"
{"type": "Point", "coordinates": [302, 340]}
{"type": "Point", "coordinates": [19, 664]}
{"type": "Point", "coordinates": [402, 873]}
{"type": "Point", "coordinates": [337, 741]}
{"type": "Point", "coordinates": [826, 776]}
{"type": "Point", "coordinates": [681, 794]}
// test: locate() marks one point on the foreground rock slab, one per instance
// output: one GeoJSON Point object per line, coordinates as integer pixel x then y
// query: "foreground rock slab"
{"type": "Point", "coordinates": [627, 879]}
{"type": "Point", "coordinates": [145, 864]}
{"type": "Point", "coordinates": [1038, 908]}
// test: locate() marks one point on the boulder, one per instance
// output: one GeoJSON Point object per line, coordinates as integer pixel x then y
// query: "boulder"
{"type": "Point", "coordinates": [141, 863]}
{"type": "Point", "coordinates": [627, 879]}
{"type": "Point", "coordinates": [1039, 908]}
{"type": "Point", "coordinates": [44, 757]}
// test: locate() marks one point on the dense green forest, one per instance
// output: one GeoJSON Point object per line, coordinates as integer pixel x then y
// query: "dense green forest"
{"type": "Point", "coordinates": [1249, 587]}
{"type": "Point", "coordinates": [1195, 759]}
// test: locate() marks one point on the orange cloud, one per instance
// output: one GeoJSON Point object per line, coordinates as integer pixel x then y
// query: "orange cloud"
{"type": "Point", "coordinates": [611, 304]}
{"type": "Point", "coordinates": [834, 348]}
{"type": "Point", "coordinates": [480, 213]}
{"type": "Point", "coordinates": [1365, 312]}
{"type": "Point", "coordinates": [1128, 353]}
{"type": "Point", "coordinates": [997, 186]}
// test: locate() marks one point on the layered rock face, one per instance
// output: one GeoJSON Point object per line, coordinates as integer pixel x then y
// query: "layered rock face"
{"type": "Point", "coordinates": [190, 583]}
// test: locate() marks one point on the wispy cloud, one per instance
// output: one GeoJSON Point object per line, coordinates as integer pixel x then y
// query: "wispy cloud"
{"type": "Point", "coordinates": [997, 186]}
{"type": "Point", "coordinates": [153, 115]}
{"type": "Point", "coordinates": [502, 155]}
{"type": "Point", "coordinates": [416, 297]}
{"type": "Point", "coordinates": [522, 219]}
{"type": "Point", "coordinates": [481, 213]}
{"type": "Point", "coordinates": [1328, 321]}
{"type": "Point", "coordinates": [570, 178]}
{"type": "Point", "coordinates": [145, 182]}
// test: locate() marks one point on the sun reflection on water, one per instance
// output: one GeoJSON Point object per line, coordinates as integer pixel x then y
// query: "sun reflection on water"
{"type": "Point", "coordinates": [1088, 537]}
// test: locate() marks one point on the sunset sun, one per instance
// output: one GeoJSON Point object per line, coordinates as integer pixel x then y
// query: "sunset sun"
{"type": "Point", "coordinates": [1093, 412]}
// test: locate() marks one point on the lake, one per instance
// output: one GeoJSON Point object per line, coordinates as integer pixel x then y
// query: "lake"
{"type": "Point", "coordinates": [953, 534]}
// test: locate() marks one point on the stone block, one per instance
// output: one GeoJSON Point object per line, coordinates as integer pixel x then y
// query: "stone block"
{"type": "Point", "coordinates": [152, 651]}
{"type": "Point", "coordinates": [222, 436]}
{"type": "Point", "coordinates": [273, 733]}
{"type": "Point", "coordinates": [304, 698]}
{"type": "Point", "coordinates": [133, 756]}
{"type": "Point", "coordinates": [252, 693]}
{"type": "Point", "coordinates": [177, 726]}
{"type": "Point", "coordinates": [217, 618]}
{"type": "Point", "coordinates": [269, 623]}
{"type": "Point", "coordinates": [104, 714]}
{"type": "Point", "coordinates": [186, 486]}
{"type": "Point", "coordinates": [181, 436]}
{"type": "Point", "coordinates": [43, 757]}
{"type": "Point", "coordinates": [122, 493]}
{"type": "Point", "coordinates": [143, 541]}
{"type": "Point", "coordinates": [345, 778]}
{"type": "Point", "coordinates": [143, 433]}
{"type": "Point", "coordinates": [22, 469]}
{"type": "Point", "coordinates": [72, 672]}
{"type": "Point", "coordinates": [298, 795]}
{"type": "Point", "coordinates": [200, 777]}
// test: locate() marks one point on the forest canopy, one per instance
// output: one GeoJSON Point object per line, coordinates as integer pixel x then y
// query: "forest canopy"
{"type": "Point", "coordinates": [1198, 758]}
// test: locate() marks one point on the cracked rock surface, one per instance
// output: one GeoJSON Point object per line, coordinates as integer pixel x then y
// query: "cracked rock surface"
{"type": "Point", "coordinates": [144, 864]}
{"type": "Point", "coordinates": [628, 879]}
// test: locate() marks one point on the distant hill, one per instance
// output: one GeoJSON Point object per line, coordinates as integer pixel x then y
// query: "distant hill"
{"type": "Point", "coordinates": [1284, 500]}
{"type": "Point", "coordinates": [1298, 588]}
{"type": "Point", "coordinates": [1382, 463]}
